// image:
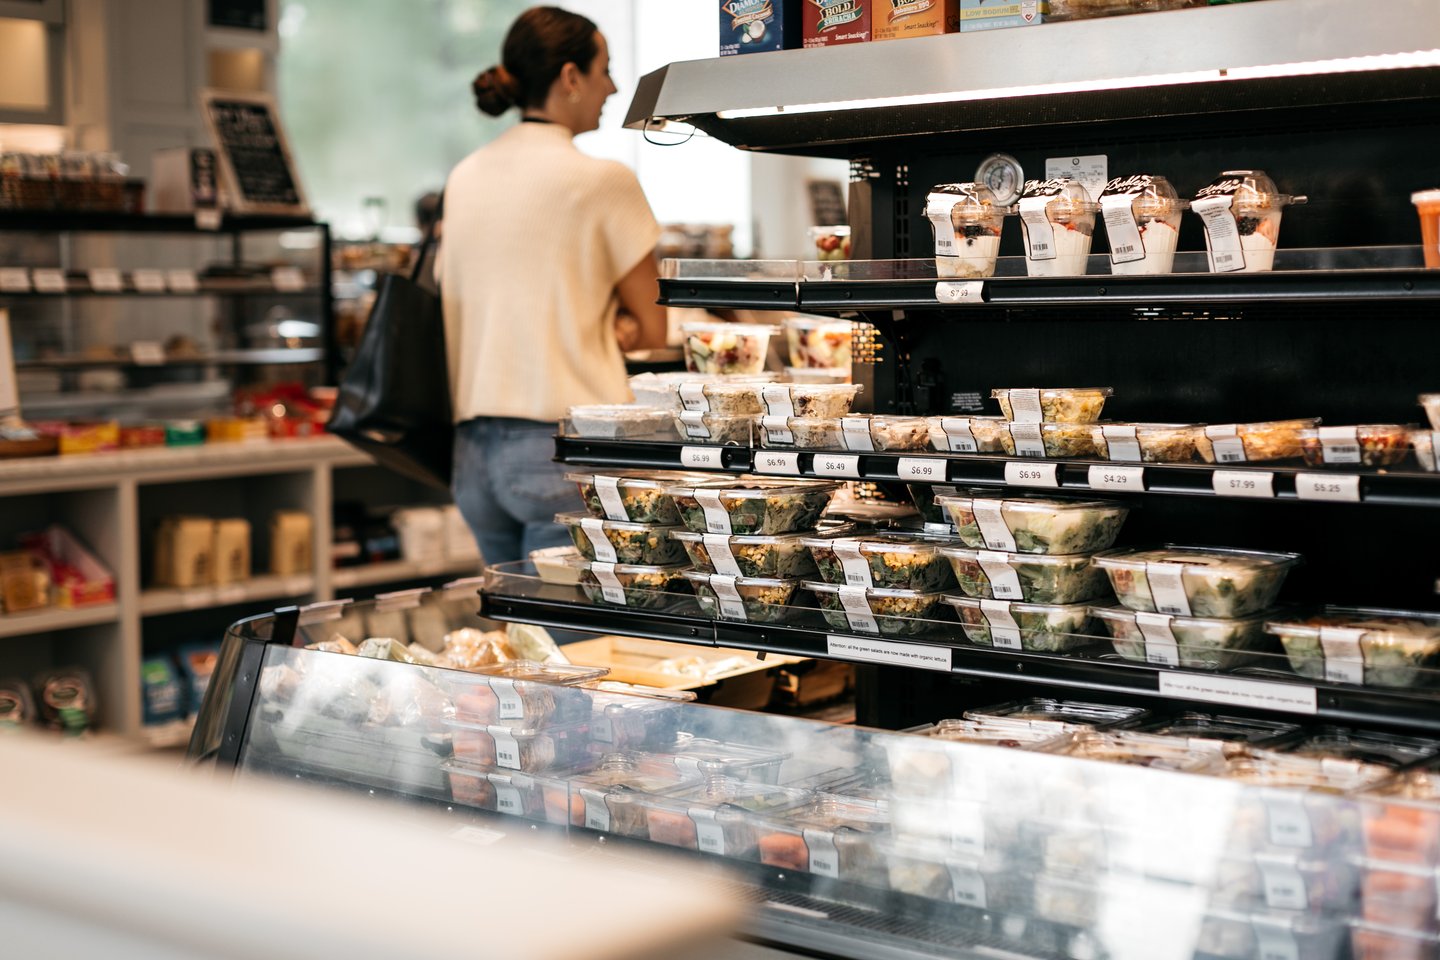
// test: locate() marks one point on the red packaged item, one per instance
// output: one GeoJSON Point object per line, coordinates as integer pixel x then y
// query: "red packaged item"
{"type": "Point", "coordinates": [145, 435]}
{"type": "Point", "coordinates": [825, 23]}
{"type": "Point", "coordinates": [77, 576]}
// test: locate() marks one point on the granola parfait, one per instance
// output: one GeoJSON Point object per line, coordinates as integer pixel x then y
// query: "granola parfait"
{"type": "Point", "coordinates": [966, 222]}
{"type": "Point", "coordinates": [1142, 223]}
{"type": "Point", "coordinates": [1242, 211]}
{"type": "Point", "coordinates": [1058, 218]}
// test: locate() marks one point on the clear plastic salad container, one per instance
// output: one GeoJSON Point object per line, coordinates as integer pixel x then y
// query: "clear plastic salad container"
{"type": "Point", "coordinates": [1055, 440]}
{"type": "Point", "coordinates": [604, 798]}
{"type": "Point", "coordinates": [817, 375]}
{"type": "Point", "coordinates": [1369, 445]}
{"type": "Point", "coordinates": [697, 755]}
{"type": "Point", "coordinates": [1116, 747]}
{"type": "Point", "coordinates": [720, 398]}
{"type": "Point", "coordinates": [781, 555]}
{"type": "Point", "coordinates": [890, 613]}
{"type": "Point", "coordinates": [1425, 446]}
{"type": "Point", "coordinates": [620, 541]}
{"type": "Point", "coordinates": [1252, 442]}
{"type": "Point", "coordinates": [1431, 403]}
{"type": "Point", "coordinates": [629, 585]}
{"type": "Point", "coordinates": [1070, 716]}
{"type": "Point", "coordinates": [1011, 625]}
{"type": "Point", "coordinates": [899, 433]}
{"type": "Point", "coordinates": [751, 599]}
{"type": "Point", "coordinates": [1241, 211]}
{"type": "Point", "coordinates": [609, 421]}
{"type": "Point", "coordinates": [1026, 525]}
{"type": "Point", "coordinates": [897, 561]}
{"type": "Point", "coordinates": [1033, 578]}
{"type": "Point", "coordinates": [752, 506]}
{"type": "Point", "coordinates": [858, 432]}
{"type": "Point", "coordinates": [661, 390]}
{"type": "Point", "coordinates": [636, 497]}
{"type": "Point", "coordinates": [966, 223]}
{"type": "Point", "coordinates": [527, 749]}
{"type": "Point", "coordinates": [1142, 224]}
{"type": "Point", "coordinates": [1052, 404]}
{"type": "Point", "coordinates": [969, 434]}
{"type": "Point", "coordinates": [985, 883]}
{"type": "Point", "coordinates": [809, 400]}
{"type": "Point", "coordinates": [831, 242]}
{"type": "Point", "coordinates": [1270, 769]}
{"type": "Point", "coordinates": [828, 836]}
{"type": "Point", "coordinates": [818, 342]}
{"type": "Point", "coordinates": [1058, 220]}
{"type": "Point", "coordinates": [1364, 746]}
{"type": "Point", "coordinates": [725, 347]}
{"type": "Point", "coordinates": [1381, 648]}
{"type": "Point", "coordinates": [713, 428]}
{"type": "Point", "coordinates": [521, 693]}
{"type": "Point", "coordinates": [625, 715]}
{"type": "Point", "coordinates": [1233, 733]}
{"type": "Point", "coordinates": [1195, 643]}
{"type": "Point", "coordinates": [1145, 442]}
{"type": "Point", "coordinates": [714, 816]}
{"type": "Point", "coordinates": [1197, 581]}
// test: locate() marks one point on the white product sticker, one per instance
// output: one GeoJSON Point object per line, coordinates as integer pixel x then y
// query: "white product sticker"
{"type": "Point", "coordinates": [777, 464]}
{"type": "Point", "coordinates": [1039, 232]}
{"type": "Point", "coordinates": [594, 530]}
{"type": "Point", "coordinates": [1284, 887]}
{"type": "Point", "coordinates": [1032, 474]}
{"type": "Point", "coordinates": [610, 587]}
{"type": "Point", "coordinates": [824, 858]}
{"type": "Point", "coordinates": [855, 433]}
{"type": "Point", "coordinates": [857, 609]}
{"type": "Point", "coordinates": [208, 218]}
{"type": "Point", "coordinates": [602, 729]}
{"type": "Point", "coordinates": [106, 280]}
{"type": "Point", "coordinates": [693, 422]}
{"type": "Point", "coordinates": [967, 886]}
{"type": "Point", "coordinates": [836, 465]}
{"type": "Point", "coordinates": [852, 563]}
{"type": "Point", "coordinates": [182, 281]}
{"type": "Point", "coordinates": [1025, 406]}
{"type": "Point", "coordinates": [692, 397]}
{"type": "Point", "coordinates": [597, 811]}
{"type": "Point", "coordinates": [1122, 443]}
{"type": "Point", "coordinates": [148, 281]}
{"type": "Point", "coordinates": [1093, 170]}
{"type": "Point", "coordinates": [701, 458]}
{"type": "Point", "coordinates": [722, 558]}
{"type": "Point", "coordinates": [1159, 635]}
{"type": "Point", "coordinates": [728, 597]}
{"type": "Point", "coordinates": [49, 281]}
{"type": "Point", "coordinates": [1004, 631]}
{"type": "Point", "coordinates": [1029, 442]}
{"type": "Point", "coordinates": [1004, 581]}
{"type": "Point", "coordinates": [958, 437]}
{"type": "Point", "coordinates": [990, 518]}
{"type": "Point", "coordinates": [1339, 444]}
{"type": "Point", "coordinates": [1243, 483]}
{"type": "Point", "coordinates": [14, 280]}
{"type": "Point", "coordinates": [1234, 692]}
{"type": "Point", "coordinates": [1126, 244]}
{"type": "Point", "coordinates": [608, 490]}
{"type": "Point", "coordinates": [1115, 477]}
{"type": "Point", "coordinates": [1229, 448]}
{"type": "Point", "coordinates": [777, 430]}
{"type": "Point", "coordinates": [717, 520]}
{"type": "Point", "coordinates": [288, 279]}
{"type": "Point", "coordinates": [507, 751]}
{"type": "Point", "coordinates": [778, 402]}
{"type": "Point", "coordinates": [923, 470]}
{"type": "Point", "coordinates": [709, 835]}
{"type": "Point", "coordinates": [147, 353]}
{"type": "Point", "coordinates": [1344, 488]}
{"type": "Point", "coordinates": [512, 705]}
{"type": "Point", "coordinates": [1344, 662]}
{"type": "Point", "coordinates": [1222, 234]}
{"type": "Point", "coordinates": [919, 655]}
{"type": "Point", "coordinates": [1274, 942]}
{"type": "Point", "coordinates": [507, 800]}
{"type": "Point", "coordinates": [960, 291]}
{"type": "Point", "coordinates": [1288, 821]}
{"type": "Point", "coordinates": [1167, 588]}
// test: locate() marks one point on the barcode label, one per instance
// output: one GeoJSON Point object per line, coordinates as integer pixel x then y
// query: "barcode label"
{"type": "Point", "coordinates": [512, 705]}
{"type": "Point", "coordinates": [597, 812]}
{"type": "Point", "coordinates": [857, 610]}
{"type": "Point", "coordinates": [507, 800]}
{"type": "Point", "coordinates": [958, 438]}
{"type": "Point", "coordinates": [1028, 440]}
{"type": "Point", "coordinates": [1339, 445]}
{"type": "Point", "coordinates": [1160, 646]}
{"type": "Point", "coordinates": [1004, 631]}
{"type": "Point", "coordinates": [610, 587]}
{"type": "Point", "coordinates": [608, 490]}
{"type": "Point", "coordinates": [727, 596]}
{"type": "Point", "coordinates": [600, 544]}
{"type": "Point", "coordinates": [1123, 232]}
{"type": "Point", "coordinates": [777, 399]}
{"type": "Point", "coordinates": [854, 566]}
{"type": "Point", "coordinates": [1222, 234]}
{"type": "Point", "coordinates": [692, 397]}
{"type": "Point", "coordinates": [824, 858]}
{"type": "Point", "coordinates": [1344, 661]}
{"type": "Point", "coordinates": [1167, 588]}
{"type": "Point", "coordinates": [717, 519]}
{"type": "Point", "coordinates": [507, 751]}
{"type": "Point", "coordinates": [1121, 443]}
{"type": "Point", "coordinates": [722, 558]}
{"type": "Point", "coordinates": [989, 517]}
{"type": "Point", "coordinates": [709, 835]}
{"type": "Point", "coordinates": [1004, 581]}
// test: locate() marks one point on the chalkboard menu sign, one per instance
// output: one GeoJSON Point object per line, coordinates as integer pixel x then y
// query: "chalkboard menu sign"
{"type": "Point", "coordinates": [255, 164]}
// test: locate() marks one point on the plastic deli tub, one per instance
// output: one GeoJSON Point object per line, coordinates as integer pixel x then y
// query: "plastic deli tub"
{"type": "Point", "coordinates": [604, 798]}
{"type": "Point", "coordinates": [721, 398]}
{"type": "Point", "coordinates": [1116, 747]}
{"type": "Point", "coordinates": [1142, 217]}
{"type": "Point", "coordinates": [1272, 934]}
{"type": "Point", "coordinates": [816, 375]}
{"type": "Point", "coordinates": [620, 541]}
{"type": "Point", "coordinates": [827, 836]}
{"type": "Point", "coordinates": [752, 507]}
{"type": "Point", "coordinates": [817, 342]}
{"type": "Point", "coordinates": [1252, 442]}
{"type": "Point", "coordinates": [1197, 581]}
{"type": "Point", "coordinates": [1058, 220]}
{"type": "Point", "coordinates": [1241, 211]}
{"type": "Point", "coordinates": [1382, 648]}
{"type": "Point", "coordinates": [726, 347]}
{"type": "Point", "coordinates": [527, 749]}
{"type": "Point", "coordinates": [1369, 445]}
{"type": "Point", "coordinates": [1195, 643]}
{"type": "Point", "coordinates": [613, 421]}
{"type": "Point", "coordinates": [860, 432]}
{"type": "Point", "coordinates": [1052, 404]}
{"type": "Point", "coordinates": [713, 428]}
{"type": "Point", "coordinates": [637, 497]}
{"type": "Point", "coordinates": [1055, 440]}
{"type": "Point", "coordinates": [923, 496]}
{"type": "Point", "coordinates": [1069, 716]}
{"type": "Point", "coordinates": [521, 693]}
{"type": "Point", "coordinates": [969, 434]}
{"type": "Point", "coordinates": [661, 390]}
{"type": "Point", "coordinates": [1232, 733]}
{"type": "Point", "coordinates": [1362, 746]}
{"type": "Point", "coordinates": [1145, 442]}
{"type": "Point", "coordinates": [714, 817]}
{"type": "Point", "coordinates": [781, 555]}
{"type": "Point", "coordinates": [509, 792]}
{"type": "Point", "coordinates": [1033, 578]}
{"type": "Point", "coordinates": [695, 755]}
{"type": "Point", "coordinates": [632, 719]}
{"type": "Point", "coordinates": [809, 401]}
{"type": "Point", "coordinates": [1035, 525]}
{"type": "Point", "coordinates": [890, 613]}
{"type": "Point", "coordinates": [895, 561]}
{"type": "Point", "coordinates": [831, 242]}
{"type": "Point", "coordinates": [966, 223]}
{"type": "Point", "coordinates": [629, 585]}
{"type": "Point", "coordinates": [1037, 627]}
{"type": "Point", "coordinates": [752, 599]}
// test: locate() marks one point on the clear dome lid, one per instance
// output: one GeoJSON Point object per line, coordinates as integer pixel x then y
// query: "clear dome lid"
{"type": "Point", "coordinates": [1064, 198]}
{"type": "Point", "coordinates": [1152, 197]}
{"type": "Point", "coordinates": [963, 203]}
{"type": "Point", "coordinates": [1252, 190]}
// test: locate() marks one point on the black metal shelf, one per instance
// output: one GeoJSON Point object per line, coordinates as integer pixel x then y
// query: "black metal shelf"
{"type": "Point", "coordinates": [81, 222]}
{"type": "Point", "coordinates": [260, 356]}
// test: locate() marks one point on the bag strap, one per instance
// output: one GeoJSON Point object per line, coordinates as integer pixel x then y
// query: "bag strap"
{"type": "Point", "coordinates": [427, 245]}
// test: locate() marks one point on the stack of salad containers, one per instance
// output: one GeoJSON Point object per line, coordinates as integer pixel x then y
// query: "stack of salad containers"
{"type": "Point", "coordinates": [885, 583]}
{"type": "Point", "coordinates": [1397, 865]}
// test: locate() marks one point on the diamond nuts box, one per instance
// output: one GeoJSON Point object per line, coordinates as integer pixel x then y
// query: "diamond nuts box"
{"type": "Point", "coordinates": [757, 26]}
{"type": "Point", "coordinates": [990, 15]}
{"type": "Point", "coordinates": [902, 19]}
{"type": "Point", "coordinates": [825, 23]}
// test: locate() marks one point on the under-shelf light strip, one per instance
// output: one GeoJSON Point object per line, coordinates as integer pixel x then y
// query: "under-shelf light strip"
{"type": "Point", "coordinates": [1389, 61]}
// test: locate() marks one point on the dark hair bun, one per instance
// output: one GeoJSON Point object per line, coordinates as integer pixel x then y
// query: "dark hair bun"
{"type": "Point", "coordinates": [496, 90]}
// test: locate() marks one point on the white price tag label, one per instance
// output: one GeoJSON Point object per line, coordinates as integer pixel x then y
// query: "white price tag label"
{"type": "Point", "coordinates": [1222, 234]}
{"type": "Point", "coordinates": [608, 490]}
{"type": "Point", "coordinates": [1126, 245]}
{"type": "Point", "coordinates": [1284, 887]}
{"type": "Point", "coordinates": [1039, 232]}
{"type": "Point", "coordinates": [1121, 442]}
{"type": "Point", "coordinates": [924, 470]}
{"type": "Point", "coordinates": [1004, 631]}
{"type": "Point", "coordinates": [1167, 588]}
{"type": "Point", "coordinates": [1029, 441]}
{"type": "Point", "coordinates": [1004, 581]}
{"type": "Point", "coordinates": [783, 464]}
{"type": "Point", "coordinates": [597, 811]}
{"type": "Point", "coordinates": [967, 886]}
{"type": "Point", "coordinates": [594, 531]}
{"type": "Point", "coordinates": [777, 431]}
{"type": "Point", "coordinates": [692, 397]}
{"type": "Point", "coordinates": [1025, 406]}
{"type": "Point", "coordinates": [610, 587]}
{"type": "Point", "coordinates": [777, 400]}
{"type": "Point", "coordinates": [727, 596]}
{"type": "Point", "coordinates": [1235, 692]}
{"type": "Point", "coordinates": [717, 518]}
{"type": "Point", "coordinates": [148, 281]}
{"type": "Point", "coordinates": [836, 465]}
{"type": "Point", "coordinates": [702, 458]}
{"type": "Point", "coordinates": [1113, 477]}
{"type": "Point", "coordinates": [1289, 822]}
{"type": "Point", "coordinates": [288, 279]}
{"type": "Point", "coordinates": [824, 858]}
{"type": "Point", "coordinates": [852, 563]}
{"type": "Point", "coordinates": [1339, 444]}
{"type": "Point", "coordinates": [106, 280]}
{"type": "Point", "coordinates": [855, 433]}
{"type": "Point", "coordinates": [958, 436]}
{"type": "Point", "coordinates": [182, 281]}
{"type": "Point", "coordinates": [507, 751]}
{"type": "Point", "coordinates": [693, 423]}
{"type": "Point", "coordinates": [147, 353]}
{"type": "Point", "coordinates": [508, 801]}
{"type": "Point", "coordinates": [709, 835]}
{"type": "Point", "coordinates": [1344, 661]}
{"type": "Point", "coordinates": [1321, 486]}
{"type": "Point", "coordinates": [512, 705]}
{"type": "Point", "coordinates": [960, 291]}
{"type": "Point", "coordinates": [857, 609]}
{"type": "Point", "coordinates": [1032, 474]}
{"type": "Point", "coordinates": [722, 558]}
{"type": "Point", "coordinates": [990, 518]}
{"type": "Point", "coordinates": [1160, 646]}
{"type": "Point", "coordinates": [14, 280]}
{"type": "Point", "coordinates": [50, 281]}
{"type": "Point", "coordinates": [1259, 484]}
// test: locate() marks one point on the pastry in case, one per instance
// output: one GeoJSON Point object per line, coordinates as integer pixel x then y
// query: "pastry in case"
{"type": "Point", "coordinates": [894, 560]}
{"type": "Point", "coordinates": [809, 401]}
{"type": "Point", "coordinates": [1381, 648]}
{"type": "Point", "coordinates": [628, 585]}
{"type": "Point", "coordinates": [713, 428]}
{"type": "Point", "coordinates": [715, 816]}
{"type": "Point", "coordinates": [1142, 222]}
{"type": "Point", "coordinates": [1033, 578]}
{"type": "Point", "coordinates": [1058, 220]}
{"type": "Point", "coordinates": [1252, 442]}
{"type": "Point", "coordinates": [781, 555]}
{"type": "Point", "coordinates": [891, 613]}
{"type": "Point", "coordinates": [1035, 525]}
{"type": "Point", "coordinates": [817, 342]}
{"type": "Point", "coordinates": [521, 693]}
{"type": "Point", "coordinates": [1197, 581]}
{"type": "Point", "coordinates": [527, 749]}
{"type": "Point", "coordinates": [828, 836]}
{"type": "Point", "coordinates": [619, 541]}
{"type": "Point", "coordinates": [1370, 445]}
{"type": "Point", "coordinates": [966, 223]}
{"type": "Point", "coordinates": [1195, 643]}
{"type": "Point", "coordinates": [637, 497]}
{"type": "Point", "coordinates": [612, 421]}
{"type": "Point", "coordinates": [1145, 442]}
{"type": "Point", "coordinates": [970, 434]}
{"type": "Point", "coordinates": [1036, 627]}
{"type": "Point", "coordinates": [1068, 716]}
{"type": "Point", "coordinates": [1052, 404]}
{"type": "Point", "coordinates": [752, 599]}
{"type": "Point", "coordinates": [752, 506]}
{"type": "Point", "coordinates": [725, 347]}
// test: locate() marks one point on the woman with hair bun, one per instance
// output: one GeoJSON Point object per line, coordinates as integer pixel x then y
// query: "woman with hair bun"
{"type": "Point", "coordinates": [547, 272]}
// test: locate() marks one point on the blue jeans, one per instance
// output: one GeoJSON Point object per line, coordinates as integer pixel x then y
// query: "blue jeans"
{"type": "Point", "coordinates": [509, 489]}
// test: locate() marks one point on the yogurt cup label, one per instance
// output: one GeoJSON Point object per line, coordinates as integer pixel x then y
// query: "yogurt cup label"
{"type": "Point", "coordinates": [958, 438]}
{"type": "Point", "coordinates": [728, 597]}
{"type": "Point", "coordinates": [857, 609]}
{"type": "Point", "coordinates": [937, 211]}
{"type": "Point", "coordinates": [692, 397]}
{"type": "Point", "coordinates": [1028, 440]}
{"type": "Point", "coordinates": [854, 565]}
{"type": "Point", "coordinates": [608, 490]}
{"type": "Point", "coordinates": [824, 858]}
{"type": "Point", "coordinates": [1167, 588]}
{"type": "Point", "coordinates": [694, 423]}
{"type": "Point", "coordinates": [512, 706]}
{"type": "Point", "coordinates": [1122, 443]}
{"type": "Point", "coordinates": [993, 528]}
{"type": "Point", "coordinates": [1157, 630]}
{"type": "Point", "coordinates": [967, 886]}
{"type": "Point", "coordinates": [1025, 406]}
{"type": "Point", "coordinates": [709, 835]}
{"type": "Point", "coordinates": [722, 558]}
{"type": "Point", "coordinates": [1004, 581]}
{"type": "Point", "coordinates": [777, 429]}
{"type": "Point", "coordinates": [597, 812]}
{"type": "Point", "coordinates": [1004, 631]}
{"type": "Point", "coordinates": [1339, 444]}
{"type": "Point", "coordinates": [1039, 232]}
{"type": "Point", "coordinates": [610, 587]}
{"type": "Point", "coordinates": [855, 433]}
{"type": "Point", "coordinates": [1344, 662]}
{"type": "Point", "coordinates": [1222, 233]}
{"type": "Point", "coordinates": [1229, 448]}
{"type": "Point", "coordinates": [717, 519]}
{"type": "Point", "coordinates": [594, 530]}
{"type": "Point", "coordinates": [777, 400]}
{"type": "Point", "coordinates": [1121, 230]}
